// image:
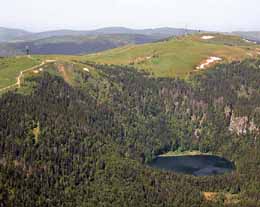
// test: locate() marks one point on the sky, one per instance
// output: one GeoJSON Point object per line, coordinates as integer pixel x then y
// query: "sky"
{"type": "Point", "coordinates": [215, 15]}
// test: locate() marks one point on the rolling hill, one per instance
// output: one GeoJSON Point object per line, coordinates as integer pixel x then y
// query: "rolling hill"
{"type": "Point", "coordinates": [7, 34]}
{"type": "Point", "coordinates": [162, 32]}
{"type": "Point", "coordinates": [251, 35]}
{"type": "Point", "coordinates": [175, 57]}
{"type": "Point", "coordinates": [79, 42]}
{"type": "Point", "coordinates": [75, 44]}
{"type": "Point", "coordinates": [178, 57]}
{"type": "Point", "coordinates": [158, 32]}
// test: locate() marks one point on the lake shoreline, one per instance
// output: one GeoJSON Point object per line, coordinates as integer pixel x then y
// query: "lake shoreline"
{"type": "Point", "coordinates": [193, 163]}
{"type": "Point", "coordinates": [184, 153]}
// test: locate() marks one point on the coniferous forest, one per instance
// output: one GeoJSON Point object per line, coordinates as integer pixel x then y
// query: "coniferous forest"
{"type": "Point", "coordinates": [89, 145]}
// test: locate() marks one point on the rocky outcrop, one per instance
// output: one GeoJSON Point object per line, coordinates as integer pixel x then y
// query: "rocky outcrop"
{"type": "Point", "coordinates": [242, 125]}
{"type": "Point", "coordinates": [238, 125]}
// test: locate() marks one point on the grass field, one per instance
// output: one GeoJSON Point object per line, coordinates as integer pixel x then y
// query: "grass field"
{"type": "Point", "coordinates": [11, 67]}
{"type": "Point", "coordinates": [177, 57]}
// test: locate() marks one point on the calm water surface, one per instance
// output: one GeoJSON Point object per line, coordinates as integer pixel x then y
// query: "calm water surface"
{"type": "Point", "coordinates": [198, 165]}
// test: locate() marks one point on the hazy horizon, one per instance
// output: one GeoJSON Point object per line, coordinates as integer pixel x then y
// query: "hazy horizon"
{"type": "Point", "coordinates": [38, 16]}
{"type": "Point", "coordinates": [141, 28]}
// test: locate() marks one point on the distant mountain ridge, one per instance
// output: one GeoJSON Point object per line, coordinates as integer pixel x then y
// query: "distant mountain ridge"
{"type": "Point", "coordinates": [83, 42]}
{"type": "Point", "coordinates": [7, 34]}
{"type": "Point", "coordinates": [163, 32]}
{"type": "Point", "coordinates": [250, 35]}
{"type": "Point", "coordinates": [69, 45]}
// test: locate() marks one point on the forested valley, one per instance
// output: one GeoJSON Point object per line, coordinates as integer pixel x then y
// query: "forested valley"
{"type": "Point", "coordinates": [89, 145]}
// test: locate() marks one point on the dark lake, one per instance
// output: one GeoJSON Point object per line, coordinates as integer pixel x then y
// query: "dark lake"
{"type": "Point", "coordinates": [198, 165]}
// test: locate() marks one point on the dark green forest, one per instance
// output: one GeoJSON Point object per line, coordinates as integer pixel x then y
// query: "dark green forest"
{"type": "Point", "coordinates": [89, 145]}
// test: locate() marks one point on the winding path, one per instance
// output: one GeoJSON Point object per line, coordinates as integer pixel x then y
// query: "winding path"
{"type": "Point", "coordinates": [18, 79]}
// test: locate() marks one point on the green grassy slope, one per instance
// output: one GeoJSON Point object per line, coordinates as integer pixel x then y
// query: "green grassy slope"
{"type": "Point", "coordinates": [10, 68]}
{"type": "Point", "coordinates": [170, 58]}
{"type": "Point", "coordinates": [177, 57]}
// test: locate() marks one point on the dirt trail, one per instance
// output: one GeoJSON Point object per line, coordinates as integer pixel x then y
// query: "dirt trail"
{"type": "Point", "coordinates": [62, 70]}
{"type": "Point", "coordinates": [18, 79]}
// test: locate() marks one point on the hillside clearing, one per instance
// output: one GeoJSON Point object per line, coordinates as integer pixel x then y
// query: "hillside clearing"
{"type": "Point", "coordinates": [12, 67]}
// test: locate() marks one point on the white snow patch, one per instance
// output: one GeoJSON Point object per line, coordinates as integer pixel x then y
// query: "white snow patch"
{"type": "Point", "coordinates": [209, 61]}
{"type": "Point", "coordinates": [86, 69]}
{"type": "Point", "coordinates": [207, 37]}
